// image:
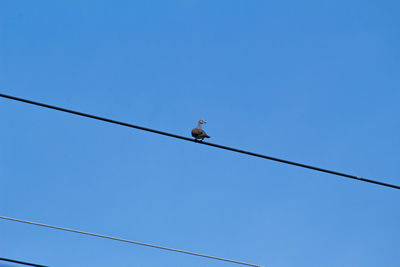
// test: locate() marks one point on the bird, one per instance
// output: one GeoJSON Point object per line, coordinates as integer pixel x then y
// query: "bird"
{"type": "Point", "coordinates": [199, 133]}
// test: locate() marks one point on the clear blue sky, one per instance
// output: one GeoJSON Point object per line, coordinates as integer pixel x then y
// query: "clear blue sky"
{"type": "Point", "coordinates": [309, 81]}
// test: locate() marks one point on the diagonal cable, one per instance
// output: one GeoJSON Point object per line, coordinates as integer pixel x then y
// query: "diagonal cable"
{"type": "Point", "coordinates": [128, 241]}
{"type": "Point", "coordinates": [200, 142]}
{"type": "Point", "coordinates": [22, 262]}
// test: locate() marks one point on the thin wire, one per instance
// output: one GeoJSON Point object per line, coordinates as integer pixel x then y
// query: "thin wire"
{"type": "Point", "coordinates": [21, 262]}
{"type": "Point", "coordinates": [200, 142]}
{"type": "Point", "coordinates": [128, 241]}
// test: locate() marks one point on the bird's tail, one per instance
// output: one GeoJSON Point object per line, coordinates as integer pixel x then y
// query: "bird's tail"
{"type": "Point", "coordinates": [207, 136]}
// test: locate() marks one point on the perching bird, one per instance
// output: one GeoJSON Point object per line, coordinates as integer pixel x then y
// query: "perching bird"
{"type": "Point", "coordinates": [199, 133]}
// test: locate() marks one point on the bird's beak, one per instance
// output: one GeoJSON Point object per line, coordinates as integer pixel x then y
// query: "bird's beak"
{"type": "Point", "coordinates": [204, 122]}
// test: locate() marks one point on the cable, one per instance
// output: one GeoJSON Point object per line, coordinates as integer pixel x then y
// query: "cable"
{"type": "Point", "coordinates": [21, 262]}
{"type": "Point", "coordinates": [129, 241]}
{"type": "Point", "coordinates": [200, 142]}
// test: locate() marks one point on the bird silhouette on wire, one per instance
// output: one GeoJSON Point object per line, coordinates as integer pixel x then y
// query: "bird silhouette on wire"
{"type": "Point", "coordinates": [199, 133]}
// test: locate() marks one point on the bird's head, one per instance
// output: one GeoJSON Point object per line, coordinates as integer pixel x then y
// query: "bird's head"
{"type": "Point", "coordinates": [201, 122]}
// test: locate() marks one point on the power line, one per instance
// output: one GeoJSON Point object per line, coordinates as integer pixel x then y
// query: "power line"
{"type": "Point", "coordinates": [200, 142]}
{"type": "Point", "coordinates": [22, 262]}
{"type": "Point", "coordinates": [128, 241]}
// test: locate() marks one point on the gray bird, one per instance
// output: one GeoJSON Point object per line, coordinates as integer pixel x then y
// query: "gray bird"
{"type": "Point", "coordinates": [199, 133]}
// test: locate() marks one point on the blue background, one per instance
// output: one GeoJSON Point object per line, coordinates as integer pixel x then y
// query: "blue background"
{"type": "Point", "coordinates": [310, 81]}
